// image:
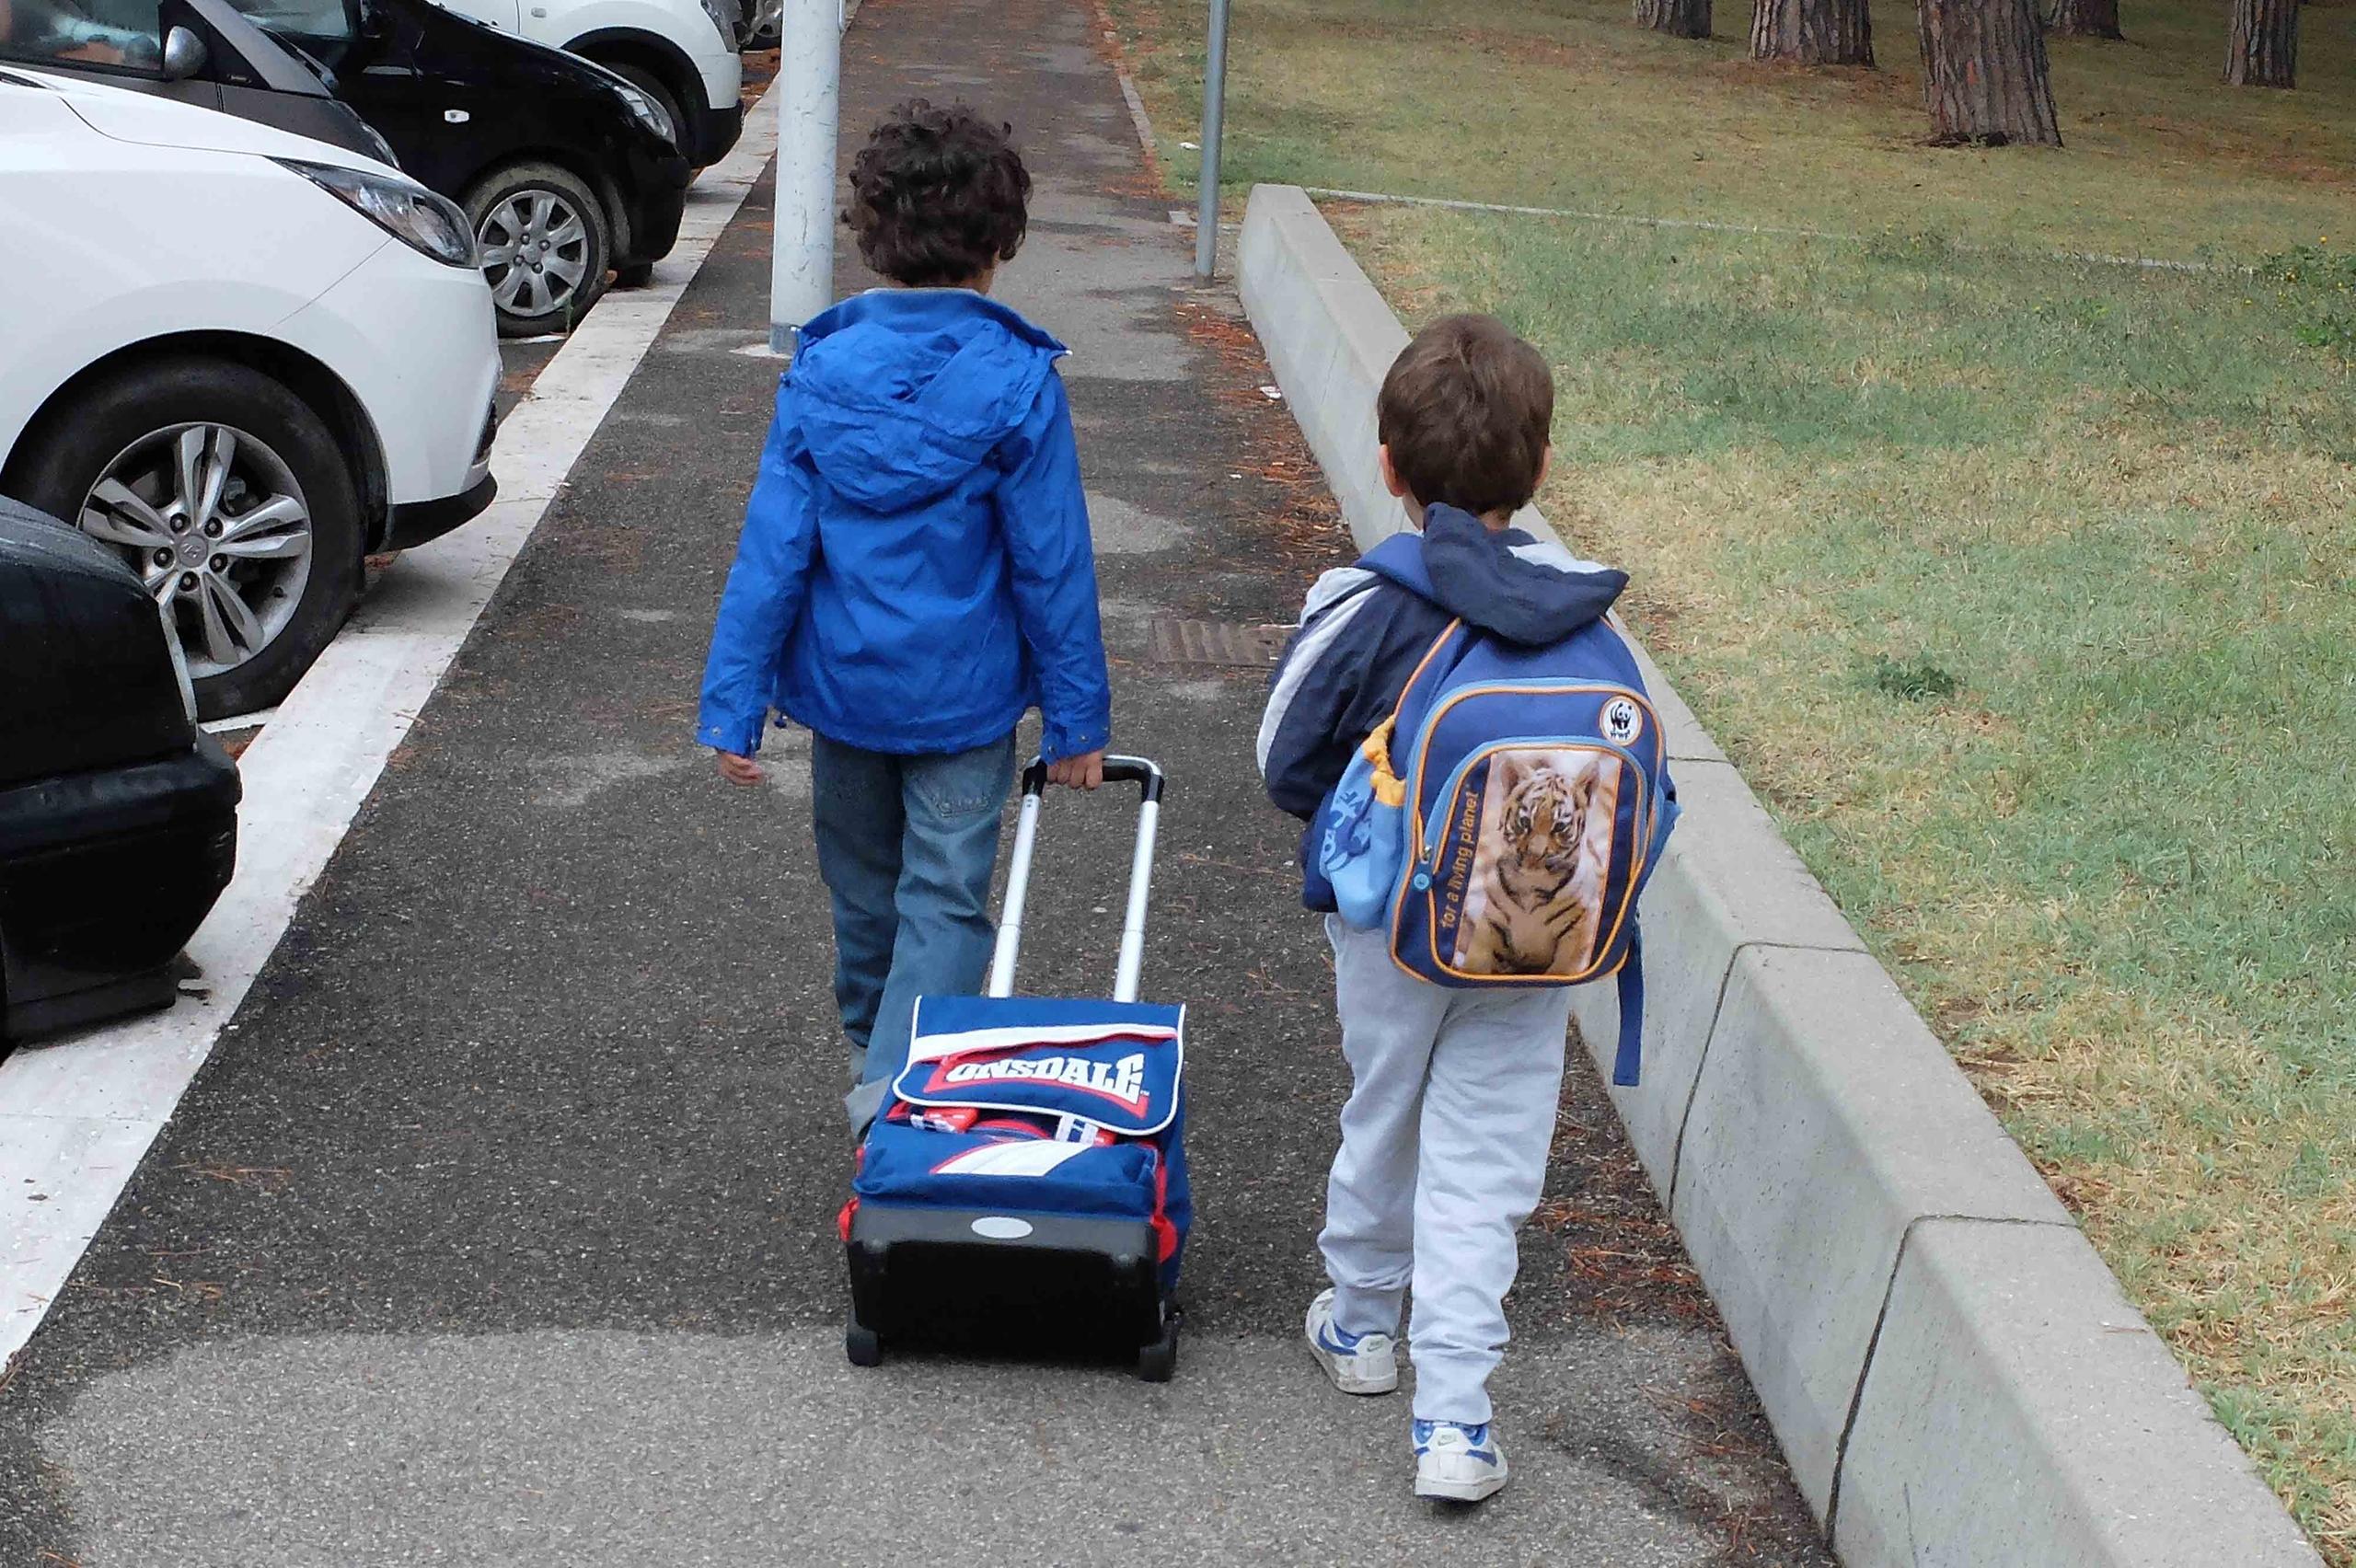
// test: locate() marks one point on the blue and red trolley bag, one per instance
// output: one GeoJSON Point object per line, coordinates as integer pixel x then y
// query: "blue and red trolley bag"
{"type": "Point", "coordinates": [1029, 1170]}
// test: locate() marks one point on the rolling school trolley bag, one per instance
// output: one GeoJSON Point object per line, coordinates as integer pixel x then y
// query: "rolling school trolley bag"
{"type": "Point", "coordinates": [1030, 1167]}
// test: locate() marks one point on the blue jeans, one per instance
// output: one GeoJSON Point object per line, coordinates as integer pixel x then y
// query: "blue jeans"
{"type": "Point", "coordinates": [906, 845]}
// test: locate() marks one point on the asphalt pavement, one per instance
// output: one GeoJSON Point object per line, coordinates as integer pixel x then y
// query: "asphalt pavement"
{"type": "Point", "coordinates": [499, 1228]}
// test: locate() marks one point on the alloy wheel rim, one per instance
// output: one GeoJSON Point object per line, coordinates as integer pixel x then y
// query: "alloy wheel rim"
{"type": "Point", "coordinates": [217, 527]}
{"type": "Point", "coordinates": [535, 252]}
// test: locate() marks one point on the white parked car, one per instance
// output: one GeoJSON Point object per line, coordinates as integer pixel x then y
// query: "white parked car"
{"type": "Point", "coordinates": [681, 53]}
{"type": "Point", "coordinates": [244, 359]}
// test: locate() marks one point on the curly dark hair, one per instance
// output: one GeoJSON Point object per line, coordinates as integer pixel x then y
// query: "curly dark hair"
{"type": "Point", "coordinates": [938, 195]}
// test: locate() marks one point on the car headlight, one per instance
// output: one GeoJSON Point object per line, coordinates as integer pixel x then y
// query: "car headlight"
{"type": "Point", "coordinates": [410, 213]}
{"type": "Point", "coordinates": [179, 660]}
{"type": "Point", "coordinates": [721, 19]}
{"type": "Point", "coordinates": [649, 113]}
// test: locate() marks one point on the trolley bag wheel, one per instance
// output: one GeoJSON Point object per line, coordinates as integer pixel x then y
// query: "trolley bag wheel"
{"type": "Point", "coordinates": [1157, 1359]}
{"type": "Point", "coordinates": [861, 1345]}
{"type": "Point", "coordinates": [868, 1256]}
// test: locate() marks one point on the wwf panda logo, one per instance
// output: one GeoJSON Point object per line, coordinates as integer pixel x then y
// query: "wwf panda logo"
{"type": "Point", "coordinates": [1622, 720]}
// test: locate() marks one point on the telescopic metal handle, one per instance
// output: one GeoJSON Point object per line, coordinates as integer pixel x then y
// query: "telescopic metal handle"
{"type": "Point", "coordinates": [1149, 780]}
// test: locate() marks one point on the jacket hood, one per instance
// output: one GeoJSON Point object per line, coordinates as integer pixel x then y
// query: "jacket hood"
{"type": "Point", "coordinates": [1522, 589]}
{"type": "Point", "coordinates": [900, 393]}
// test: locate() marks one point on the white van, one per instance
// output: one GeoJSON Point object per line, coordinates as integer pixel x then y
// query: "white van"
{"type": "Point", "coordinates": [681, 53]}
{"type": "Point", "coordinates": [244, 359]}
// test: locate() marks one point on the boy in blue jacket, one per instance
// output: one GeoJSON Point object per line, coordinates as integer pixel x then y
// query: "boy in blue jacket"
{"type": "Point", "coordinates": [1453, 1092]}
{"type": "Point", "coordinates": [915, 574]}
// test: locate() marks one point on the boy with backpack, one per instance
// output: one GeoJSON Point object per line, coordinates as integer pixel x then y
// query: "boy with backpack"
{"type": "Point", "coordinates": [1459, 684]}
{"type": "Point", "coordinates": [914, 575]}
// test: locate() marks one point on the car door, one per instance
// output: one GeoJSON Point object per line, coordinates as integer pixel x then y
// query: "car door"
{"type": "Point", "coordinates": [409, 72]}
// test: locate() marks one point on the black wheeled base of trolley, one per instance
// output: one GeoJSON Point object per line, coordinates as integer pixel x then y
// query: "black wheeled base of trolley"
{"type": "Point", "coordinates": [1063, 1285]}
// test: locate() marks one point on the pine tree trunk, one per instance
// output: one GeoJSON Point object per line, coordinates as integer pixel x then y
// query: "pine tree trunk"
{"type": "Point", "coordinates": [2264, 49]}
{"type": "Point", "coordinates": [2083, 18]}
{"type": "Point", "coordinates": [1984, 74]}
{"type": "Point", "coordinates": [1678, 18]}
{"type": "Point", "coordinates": [1813, 32]}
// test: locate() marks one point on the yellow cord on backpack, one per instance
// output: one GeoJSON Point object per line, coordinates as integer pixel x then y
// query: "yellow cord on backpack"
{"type": "Point", "coordinates": [1388, 788]}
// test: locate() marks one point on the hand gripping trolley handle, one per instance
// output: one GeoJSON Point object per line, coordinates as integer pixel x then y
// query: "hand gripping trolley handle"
{"type": "Point", "coordinates": [1030, 1164]}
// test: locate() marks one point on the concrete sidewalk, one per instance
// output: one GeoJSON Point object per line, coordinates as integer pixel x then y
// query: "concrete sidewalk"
{"type": "Point", "coordinates": [499, 1230]}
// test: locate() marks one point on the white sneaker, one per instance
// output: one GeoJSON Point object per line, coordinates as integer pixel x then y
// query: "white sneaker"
{"type": "Point", "coordinates": [1456, 1462]}
{"type": "Point", "coordinates": [1359, 1363]}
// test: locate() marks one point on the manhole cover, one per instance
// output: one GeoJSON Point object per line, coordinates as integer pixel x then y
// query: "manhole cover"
{"type": "Point", "coordinates": [1214, 642]}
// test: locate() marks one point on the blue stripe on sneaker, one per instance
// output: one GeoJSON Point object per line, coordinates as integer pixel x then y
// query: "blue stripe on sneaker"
{"type": "Point", "coordinates": [1333, 1339]}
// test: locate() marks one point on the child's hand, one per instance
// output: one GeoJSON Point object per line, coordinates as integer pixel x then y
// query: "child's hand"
{"type": "Point", "coordinates": [1084, 772]}
{"type": "Point", "coordinates": [739, 769]}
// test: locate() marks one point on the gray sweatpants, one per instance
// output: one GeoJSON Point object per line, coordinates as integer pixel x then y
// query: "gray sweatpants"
{"type": "Point", "coordinates": [1444, 1145]}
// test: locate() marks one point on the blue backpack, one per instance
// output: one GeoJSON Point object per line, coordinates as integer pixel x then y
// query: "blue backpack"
{"type": "Point", "coordinates": [1503, 820]}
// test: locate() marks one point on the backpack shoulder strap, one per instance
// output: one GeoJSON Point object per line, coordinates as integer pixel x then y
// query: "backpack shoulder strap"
{"type": "Point", "coordinates": [1453, 631]}
{"type": "Point", "coordinates": [1389, 786]}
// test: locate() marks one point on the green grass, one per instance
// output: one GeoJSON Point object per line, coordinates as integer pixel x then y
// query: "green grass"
{"type": "Point", "coordinates": [2024, 590]}
{"type": "Point", "coordinates": [1561, 103]}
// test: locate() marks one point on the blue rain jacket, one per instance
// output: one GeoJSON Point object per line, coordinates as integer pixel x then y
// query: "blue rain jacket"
{"type": "Point", "coordinates": [915, 571]}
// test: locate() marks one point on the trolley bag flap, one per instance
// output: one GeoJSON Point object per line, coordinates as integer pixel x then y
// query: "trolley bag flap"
{"type": "Point", "coordinates": [1006, 1162]}
{"type": "Point", "coordinates": [1116, 1065]}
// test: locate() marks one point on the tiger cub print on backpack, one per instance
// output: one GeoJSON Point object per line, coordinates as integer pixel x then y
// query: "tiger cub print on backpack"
{"type": "Point", "coordinates": [1538, 876]}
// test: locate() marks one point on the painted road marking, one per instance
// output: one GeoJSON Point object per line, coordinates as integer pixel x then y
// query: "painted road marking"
{"type": "Point", "coordinates": [77, 1117]}
{"type": "Point", "coordinates": [236, 722]}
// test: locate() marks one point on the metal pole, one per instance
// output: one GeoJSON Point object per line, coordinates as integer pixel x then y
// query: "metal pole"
{"type": "Point", "coordinates": [1213, 112]}
{"type": "Point", "coordinates": [809, 93]}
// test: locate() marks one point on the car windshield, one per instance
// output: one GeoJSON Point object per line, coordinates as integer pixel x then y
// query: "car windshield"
{"type": "Point", "coordinates": [121, 33]}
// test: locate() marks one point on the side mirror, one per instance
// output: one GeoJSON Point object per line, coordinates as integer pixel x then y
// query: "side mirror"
{"type": "Point", "coordinates": [184, 55]}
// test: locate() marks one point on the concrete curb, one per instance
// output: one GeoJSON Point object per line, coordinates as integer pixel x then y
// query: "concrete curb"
{"type": "Point", "coordinates": [1953, 1373]}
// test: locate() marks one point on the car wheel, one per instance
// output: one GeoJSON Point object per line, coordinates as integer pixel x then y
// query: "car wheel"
{"type": "Point", "coordinates": [766, 24]}
{"type": "Point", "coordinates": [546, 245]}
{"type": "Point", "coordinates": [227, 494]}
{"type": "Point", "coordinates": [635, 276]}
{"type": "Point", "coordinates": [653, 87]}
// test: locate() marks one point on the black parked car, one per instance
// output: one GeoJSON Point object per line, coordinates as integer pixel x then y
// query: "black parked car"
{"type": "Point", "coordinates": [118, 818]}
{"type": "Point", "coordinates": [566, 171]}
{"type": "Point", "coordinates": [565, 168]}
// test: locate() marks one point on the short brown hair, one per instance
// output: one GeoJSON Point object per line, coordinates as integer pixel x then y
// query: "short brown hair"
{"type": "Point", "coordinates": [938, 195]}
{"type": "Point", "coordinates": [1466, 411]}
